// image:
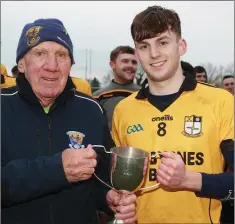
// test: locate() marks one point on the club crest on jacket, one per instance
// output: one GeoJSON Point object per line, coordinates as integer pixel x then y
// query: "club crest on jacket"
{"type": "Point", "coordinates": [76, 139]}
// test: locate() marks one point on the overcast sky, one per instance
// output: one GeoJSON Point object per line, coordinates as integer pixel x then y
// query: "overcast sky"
{"type": "Point", "coordinates": [208, 28]}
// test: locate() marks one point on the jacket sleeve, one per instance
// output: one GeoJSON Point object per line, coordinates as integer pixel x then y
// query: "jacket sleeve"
{"type": "Point", "coordinates": [23, 180]}
{"type": "Point", "coordinates": [103, 171]}
{"type": "Point", "coordinates": [222, 185]}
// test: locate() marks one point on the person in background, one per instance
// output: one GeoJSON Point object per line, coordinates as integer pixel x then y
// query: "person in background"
{"type": "Point", "coordinates": [6, 81]}
{"type": "Point", "coordinates": [187, 67]}
{"type": "Point", "coordinates": [3, 70]}
{"type": "Point", "coordinates": [201, 74]}
{"type": "Point", "coordinates": [124, 65]}
{"type": "Point", "coordinates": [227, 214]}
{"type": "Point", "coordinates": [15, 71]}
{"type": "Point", "coordinates": [82, 85]}
{"type": "Point", "coordinates": [48, 152]}
{"type": "Point", "coordinates": [228, 83]}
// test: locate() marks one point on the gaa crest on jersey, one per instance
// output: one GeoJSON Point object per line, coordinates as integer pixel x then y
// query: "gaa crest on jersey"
{"type": "Point", "coordinates": [192, 126]}
{"type": "Point", "coordinates": [76, 139]}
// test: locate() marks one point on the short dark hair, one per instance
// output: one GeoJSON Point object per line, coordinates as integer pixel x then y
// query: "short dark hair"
{"type": "Point", "coordinates": [154, 20]}
{"type": "Point", "coordinates": [200, 69]}
{"type": "Point", "coordinates": [227, 77]}
{"type": "Point", "coordinates": [188, 68]}
{"type": "Point", "coordinates": [15, 69]}
{"type": "Point", "coordinates": [121, 50]}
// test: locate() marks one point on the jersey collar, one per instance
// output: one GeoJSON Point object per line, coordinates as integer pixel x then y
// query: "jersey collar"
{"type": "Point", "coordinates": [188, 84]}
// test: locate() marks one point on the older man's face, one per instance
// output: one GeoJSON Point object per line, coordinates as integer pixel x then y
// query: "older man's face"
{"type": "Point", "coordinates": [46, 67]}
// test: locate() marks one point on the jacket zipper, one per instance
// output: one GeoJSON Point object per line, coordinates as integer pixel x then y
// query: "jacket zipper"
{"type": "Point", "coordinates": [38, 140]}
{"type": "Point", "coordinates": [50, 153]}
{"type": "Point", "coordinates": [49, 136]}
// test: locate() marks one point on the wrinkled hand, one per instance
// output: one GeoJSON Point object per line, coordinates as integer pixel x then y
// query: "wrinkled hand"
{"type": "Point", "coordinates": [79, 164]}
{"type": "Point", "coordinates": [171, 171]}
{"type": "Point", "coordinates": [123, 205]}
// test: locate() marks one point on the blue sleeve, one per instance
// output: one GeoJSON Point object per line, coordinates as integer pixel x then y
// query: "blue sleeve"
{"type": "Point", "coordinates": [23, 180]}
{"type": "Point", "coordinates": [219, 185]}
{"type": "Point", "coordinates": [216, 185]}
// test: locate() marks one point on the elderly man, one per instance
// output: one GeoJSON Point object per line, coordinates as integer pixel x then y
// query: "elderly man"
{"type": "Point", "coordinates": [47, 157]}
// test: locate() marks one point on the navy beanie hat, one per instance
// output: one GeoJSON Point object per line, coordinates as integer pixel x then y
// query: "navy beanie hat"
{"type": "Point", "coordinates": [43, 30]}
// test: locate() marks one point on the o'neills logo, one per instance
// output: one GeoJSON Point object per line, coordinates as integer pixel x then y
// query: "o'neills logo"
{"type": "Point", "coordinates": [163, 118]}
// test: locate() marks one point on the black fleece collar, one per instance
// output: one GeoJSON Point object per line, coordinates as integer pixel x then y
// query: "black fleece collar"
{"type": "Point", "coordinates": [26, 93]}
{"type": "Point", "coordinates": [188, 84]}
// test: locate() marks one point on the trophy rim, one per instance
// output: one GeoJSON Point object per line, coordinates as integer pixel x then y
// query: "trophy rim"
{"type": "Point", "coordinates": [129, 147]}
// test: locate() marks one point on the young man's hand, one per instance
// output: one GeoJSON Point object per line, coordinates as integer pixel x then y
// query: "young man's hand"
{"type": "Point", "coordinates": [173, 174]}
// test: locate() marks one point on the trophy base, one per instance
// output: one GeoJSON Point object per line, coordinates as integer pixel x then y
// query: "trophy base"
{"type": "Point", "coordinates": [114, 221]}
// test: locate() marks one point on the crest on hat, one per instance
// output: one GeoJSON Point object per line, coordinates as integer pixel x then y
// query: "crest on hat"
{"type": "Point", "coordinates": [33, 35]}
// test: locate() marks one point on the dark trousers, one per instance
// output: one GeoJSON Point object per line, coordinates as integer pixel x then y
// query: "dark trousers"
{"type": "Point", "coordinates": [227, 213]}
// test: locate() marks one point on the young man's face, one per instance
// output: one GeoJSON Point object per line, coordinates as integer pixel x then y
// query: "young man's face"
{"type": "Point", "coordinates": [124, 67]}
{"type": "Point", "coordinates": [201, 77]}
{"type": "Point", "coordinates": [46, 67]}
{"type": "Point", "coordinates": [160, 56]}
{"type": "Point", "coordinates": [229, 85]}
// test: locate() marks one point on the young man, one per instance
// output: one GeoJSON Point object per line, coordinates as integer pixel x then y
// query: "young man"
{"type": "Point", "coordinates": [228, 83]}
{"type": "Point", "coordinates": [124, 64]}
{"type": "Point", "coordinates": [46, 154]}
{"type": "Point", "coordinates": [190, 123]}
{"type": "Point", "coordinates": [200, 73]}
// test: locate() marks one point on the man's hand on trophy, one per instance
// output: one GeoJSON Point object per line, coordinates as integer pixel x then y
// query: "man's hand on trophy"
{"type": "Point", "coordinates": [79, 164]}
{"type": "Point", "coordinates": [171, 171]}
{"type": "Point", "coordinates": [123, 205]}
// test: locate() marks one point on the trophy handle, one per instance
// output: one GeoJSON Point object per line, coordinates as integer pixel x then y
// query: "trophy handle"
{"type": "Point", "coordinates": [149, 187]}
{"type": "Point", "coordinates": [155, 154]}
{"type": "Point", "coordinates": [105, 183]}
{"type": "Point", "coordinates": [101, 146]}
{"type": "Point", "coordinates": [155, 185]}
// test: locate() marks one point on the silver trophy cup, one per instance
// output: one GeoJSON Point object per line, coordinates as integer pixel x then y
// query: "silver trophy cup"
{"type": "Point", "coordinates": [128, 166]}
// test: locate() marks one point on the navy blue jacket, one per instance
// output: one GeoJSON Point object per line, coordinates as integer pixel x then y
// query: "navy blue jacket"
{"type": "Point", "coordinates": [34, 186]}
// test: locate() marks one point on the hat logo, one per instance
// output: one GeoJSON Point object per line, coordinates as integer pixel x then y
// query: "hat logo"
{"type": "Point", "coordinates": [33, 35]}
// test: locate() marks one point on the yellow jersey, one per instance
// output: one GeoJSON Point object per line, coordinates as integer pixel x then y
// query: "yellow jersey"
{"type": "Point", "coordinates": [3, 70]}
{"type": "Point", "coordinates": [9, 81]}
{"type": "Point", "coordinates": [82, 85]}
{"type": "Point", "coordinates": [193, 125]}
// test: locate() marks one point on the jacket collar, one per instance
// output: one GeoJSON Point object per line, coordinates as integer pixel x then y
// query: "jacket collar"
{"type": "Point", "coordinates": [128, 83]}
{"type": "Point", "coordinates": [188, 84]}
{"type": "Point", "coordinates": [26, 93]}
